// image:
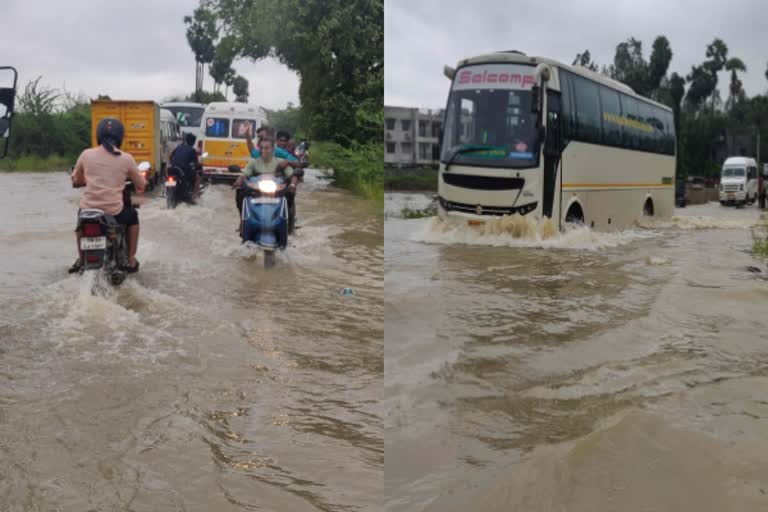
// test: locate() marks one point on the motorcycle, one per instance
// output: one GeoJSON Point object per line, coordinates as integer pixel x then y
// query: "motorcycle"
{"type": "Point", "coordinates": [178, 188]}
{"type": "Point", "coordinates": [264, 219]}
{"type": "Point", "coordinates": [103, 240]}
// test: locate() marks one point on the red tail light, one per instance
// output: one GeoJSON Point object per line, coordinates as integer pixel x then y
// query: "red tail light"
{"type": "Point", "coordinates": [91, 230]}
{"type": "Point", "coordinates": [92, 258]}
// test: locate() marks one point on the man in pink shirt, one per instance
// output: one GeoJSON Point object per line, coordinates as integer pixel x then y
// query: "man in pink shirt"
{"type": "Point", "coordinates": [103, 171]}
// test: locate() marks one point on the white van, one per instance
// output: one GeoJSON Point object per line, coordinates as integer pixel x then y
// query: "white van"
{"type": "Point", "coordinates": [224, 128]}
{"type": "Point", "coordinates": [170, 137]}
{"type": "Point", "coordinates": [189, 115]}
{"type": "Point", "coordinates": [738, 181]}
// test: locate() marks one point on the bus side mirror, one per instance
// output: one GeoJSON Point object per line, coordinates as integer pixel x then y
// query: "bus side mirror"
{"type": "Point", "coordinates": [7, 99]}
{"type": "Point", "coordinates": [535, 99]}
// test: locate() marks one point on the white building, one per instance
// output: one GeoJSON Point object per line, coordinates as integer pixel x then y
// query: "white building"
{"type": "Point", "coordinates": [411, 136]}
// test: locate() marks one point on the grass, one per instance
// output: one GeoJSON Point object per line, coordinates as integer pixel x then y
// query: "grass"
{"type": "Point", "coordinates": [408, 213]}
{"type": "Point", "coordinates": [760, 238]}
{"type": "Point", "coordinates": [359, 169]}
{"type": "Point", "coordinates": [34, 163]}
{"type": "Point", "coordinates": [422, 178]}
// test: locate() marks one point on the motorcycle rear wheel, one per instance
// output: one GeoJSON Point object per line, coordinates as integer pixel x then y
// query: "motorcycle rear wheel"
{"type": "Point", "coordinates": [170, 197]}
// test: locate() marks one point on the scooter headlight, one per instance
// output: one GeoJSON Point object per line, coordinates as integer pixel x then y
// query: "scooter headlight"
{"type": "Point", "coordinates": [267, 187]}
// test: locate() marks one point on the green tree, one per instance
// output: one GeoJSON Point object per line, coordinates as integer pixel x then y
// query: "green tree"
{"type": "Point", "coordinates": [584, 60]}
{"type": "Point", "coordinates": [335, 46]}
{"type": "Point", "coordinates": [717, 51]}
{"type": "Point", "coordinates": [629, 66]}
{"type": "Point", "coordinates": [221, 66]}
{"type": "Point", "coordinates": [736, 89]}
{"type": "Point", "coordinates": [240, 88]}
{"type": "Point", "coordinates": [661, 56]}
{"type": "Point", "coordinates": [201, 34]}
{"type": "Point", "coordinates": [289, 119]}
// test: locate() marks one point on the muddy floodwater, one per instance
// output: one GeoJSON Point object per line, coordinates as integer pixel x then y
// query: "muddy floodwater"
{"type": "Point", "coordinates": [204, 383]}
{"type": "Point", "coordinates": [527, 370]}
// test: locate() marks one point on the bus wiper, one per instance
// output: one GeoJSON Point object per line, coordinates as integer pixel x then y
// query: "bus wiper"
{"type": "Point", "coordinates": [460, 150]}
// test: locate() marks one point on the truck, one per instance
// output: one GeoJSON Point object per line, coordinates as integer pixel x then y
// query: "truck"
{"type": "Point", "coordinates": [151, 133]}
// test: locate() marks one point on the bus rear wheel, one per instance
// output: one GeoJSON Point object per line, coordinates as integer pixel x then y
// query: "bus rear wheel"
{"type": "Point", "coordinates": [648, 208]}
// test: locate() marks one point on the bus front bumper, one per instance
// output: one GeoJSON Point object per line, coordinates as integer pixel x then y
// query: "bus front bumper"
{"type": "Point", "coordinates": [215, 174]}
{"type": "Point", "coordinates": [450, 211]}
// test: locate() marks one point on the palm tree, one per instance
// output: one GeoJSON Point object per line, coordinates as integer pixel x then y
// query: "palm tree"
{"type": "Point", "coordinates": [201, 33]}
{"type": "Point", "coordinates": [733, 65]}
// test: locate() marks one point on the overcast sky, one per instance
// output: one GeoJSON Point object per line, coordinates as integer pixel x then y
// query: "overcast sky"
{"type": "Point", "coordinates": [423, 35]}
{"type": "Point", "coordinates": [133, 49]}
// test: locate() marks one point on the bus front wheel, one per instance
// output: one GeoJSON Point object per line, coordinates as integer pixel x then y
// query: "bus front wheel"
{"type": "Point", "coordinates": [575, 215]}
{"type": "Point", "coordinates": [648, 208]}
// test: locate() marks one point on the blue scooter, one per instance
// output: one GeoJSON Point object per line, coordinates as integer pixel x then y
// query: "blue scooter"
{"type": "Point", "coordinates": [265, 215]}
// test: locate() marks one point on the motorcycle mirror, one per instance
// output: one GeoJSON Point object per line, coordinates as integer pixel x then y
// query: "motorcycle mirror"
{"type": "Point", "coordinates": [144, 166]}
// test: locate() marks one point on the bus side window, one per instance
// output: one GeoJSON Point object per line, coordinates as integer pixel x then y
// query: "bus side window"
{"type": "Point", "coordinates": [568, 115]}
{"type": "Point", "coordinates": [589, 127]}
{"type": "Point", "coordinates": [611, 109]}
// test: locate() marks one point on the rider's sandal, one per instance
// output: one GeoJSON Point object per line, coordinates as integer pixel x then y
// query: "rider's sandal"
{"type": "Point", "coordinates": [75, 268]}
{"type": "Point", "coordinates": [130, 270]}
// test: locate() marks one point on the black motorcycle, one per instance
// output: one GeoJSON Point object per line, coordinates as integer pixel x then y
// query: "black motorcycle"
{"type": "Point", "coordinates": [103, 240]}
{"type": "Point", "coordinates": [179, 186]}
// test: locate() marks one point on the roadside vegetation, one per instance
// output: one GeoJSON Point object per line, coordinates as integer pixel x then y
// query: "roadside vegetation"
{"type": "Point", "coordinates": [411, 179]}
{"type": "Point", "coordinates": [337, 49]}
{"type": "Point", "coordinates": [760, 238]}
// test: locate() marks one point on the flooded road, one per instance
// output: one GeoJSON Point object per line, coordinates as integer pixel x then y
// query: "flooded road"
{"type": "Point", "coordinates": [532, 371]}
{"type": "Point", "coordinates": [204, 383]}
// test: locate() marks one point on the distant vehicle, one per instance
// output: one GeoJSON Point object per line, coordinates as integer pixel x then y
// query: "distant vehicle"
{"type": "Point", "coordinates": [536, 137]}
{"type": "Point", "coordinates": [7, 98]}
{"type": "Point", "coordinates": [170, 137]}
{"type": "Point", "coordinates": [150, 133]}
{"type": "Point", "coordinates": [681, 194]}
{"type": "Point", "coordinates": [189, 116]}
{"type": "Point", "coordinates": [225, 127]}
{"type": "Point", "coordinates": [738, 181]}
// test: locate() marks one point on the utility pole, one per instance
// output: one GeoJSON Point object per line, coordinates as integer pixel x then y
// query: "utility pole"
{"type": "Point", "coordinates": [760, 176]}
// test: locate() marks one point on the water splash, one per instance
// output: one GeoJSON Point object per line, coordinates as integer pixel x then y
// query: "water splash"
{"type": "Point", "coordinates": [519, 231]}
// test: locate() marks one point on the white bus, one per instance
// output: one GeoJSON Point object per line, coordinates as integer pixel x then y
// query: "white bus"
{"type": "Point", "coordinates": [533, 136]}
{"type": "Point", "coordinates": [189, 116]}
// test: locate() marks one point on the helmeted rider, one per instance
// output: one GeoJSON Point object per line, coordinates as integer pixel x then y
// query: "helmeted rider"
{"type": "Point", "coordinates": [103, 171]}
{"type": "Point", "coordinates": [184, 157]}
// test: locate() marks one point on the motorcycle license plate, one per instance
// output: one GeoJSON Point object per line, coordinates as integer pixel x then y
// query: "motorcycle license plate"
{"type": "Point", "coordinates": [170, 183]}
{"type": "Point", "coordinates": [265, 200]}
{"type": "Point", "coordinates": [94, 243]}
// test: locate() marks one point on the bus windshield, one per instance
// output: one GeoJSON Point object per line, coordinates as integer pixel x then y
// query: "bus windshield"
{"type": "Point", "coordinates": [491, 124]}
{"type": "Point", "coordinates": [187, 116]}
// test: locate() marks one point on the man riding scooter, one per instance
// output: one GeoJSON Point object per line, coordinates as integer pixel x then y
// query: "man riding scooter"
{"type": "Point", "coordinates": [184, 158]}
{"type": "Point", "coordinates": [280, 151]}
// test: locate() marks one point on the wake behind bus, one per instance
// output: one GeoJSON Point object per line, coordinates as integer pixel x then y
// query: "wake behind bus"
{"type": "Point", "coordinates": [536, 137]}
